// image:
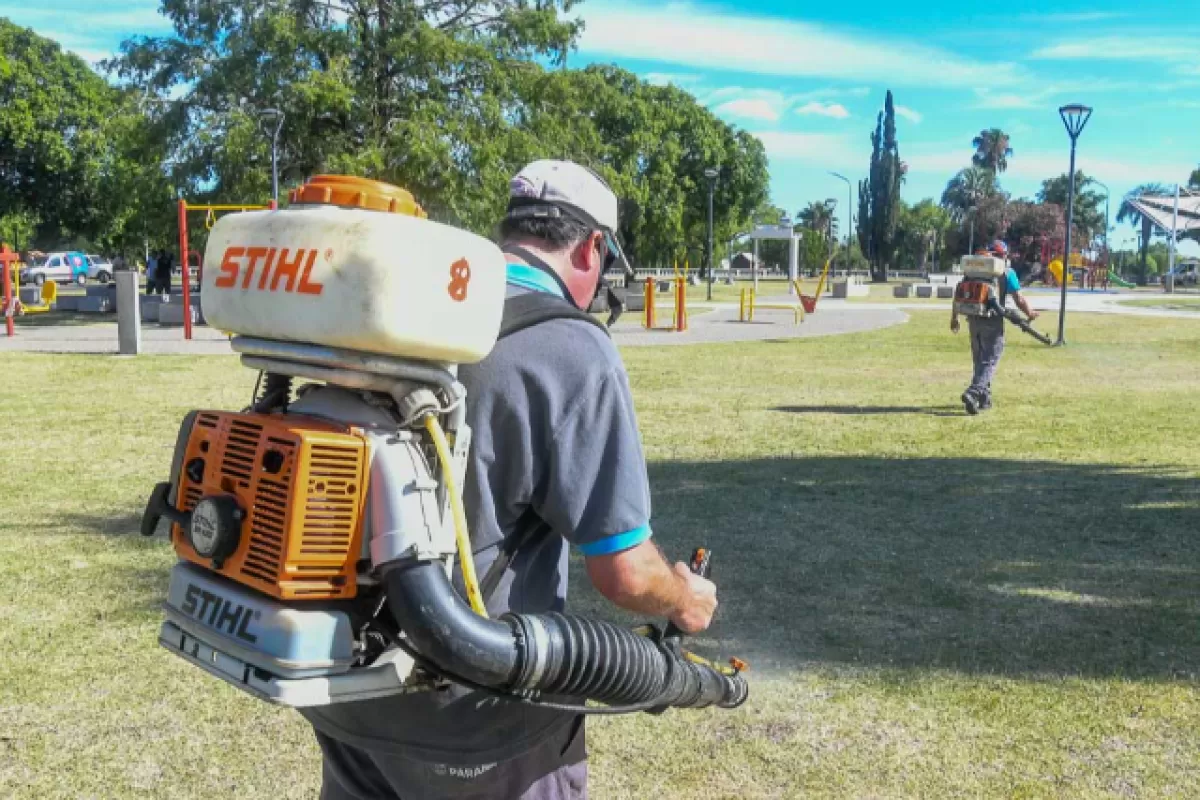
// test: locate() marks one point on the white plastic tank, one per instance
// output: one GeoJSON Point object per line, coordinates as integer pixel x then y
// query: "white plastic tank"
{"type": "Point", "coordinates": [983, 267]}
{"type": "Point", "coordinates": [355, 264]}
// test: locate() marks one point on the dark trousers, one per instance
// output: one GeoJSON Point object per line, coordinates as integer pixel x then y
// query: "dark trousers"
{"type": "Point", "coordinates": [987, 345]}
{"type": "Point", "coordinates": [554, 770]}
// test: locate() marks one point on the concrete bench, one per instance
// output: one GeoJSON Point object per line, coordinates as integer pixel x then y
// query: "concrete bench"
{"type": "Point", "coordinates": [171, 315]}
{"type": "Point", "coordinates": [101, 290]}
{"type": "Point", "coordinates": [945, 292]}
{"type": "Point", "coordinates": [67, 302]}
{"type": "Point", "coordinates": [96, 305]}
{"type": "Point", "coordinates": [925, 290]}
{"type": "Point", "coordinates": [30, 295]}
{"type": "Point", "coordinates": [903, 290]}
{"type": "Point", "coordinates": [850, 288]}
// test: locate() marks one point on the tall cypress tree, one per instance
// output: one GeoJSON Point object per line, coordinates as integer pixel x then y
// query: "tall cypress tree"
{"type": "Point", "coordinates": [879, 195]}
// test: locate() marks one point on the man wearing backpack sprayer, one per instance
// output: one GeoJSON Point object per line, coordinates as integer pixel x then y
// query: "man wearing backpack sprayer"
{"type": "Point", "coordinates": [981, 299]}
{"type": "Point", "coordinates": [556, 461]}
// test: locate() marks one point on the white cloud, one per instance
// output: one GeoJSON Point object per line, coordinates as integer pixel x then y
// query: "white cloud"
{"type": "Point", "coordinates": [830, 92]}
{"type": "Point", "coordinates": [910, 115]}
{"type": "Point", "coordinates": [1122, 48]}
{"type": "Point", "coordinates": [1037, 166]}
{"type": "Point", "coordinates": [823, 150]}
{"type": "Point", "coordinates": [747, 108]}
{"type": "Point", "coordinates": [1070, 17]}
{"type": "Point", "coordinates": [834, 110]}
{"type": "Point", "coordinates": [703, 37]}
{"type": "Point", "coordinates": [670, 78]}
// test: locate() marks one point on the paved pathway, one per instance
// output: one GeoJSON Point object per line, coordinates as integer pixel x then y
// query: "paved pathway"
{"type": "Point", "coordinates": [721, 325]}
{"type": "Point", "coordinates": [717, 325]}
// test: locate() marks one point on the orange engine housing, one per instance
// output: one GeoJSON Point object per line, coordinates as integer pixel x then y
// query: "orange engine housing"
{"type": "Point", "coordinates": [302, 484]}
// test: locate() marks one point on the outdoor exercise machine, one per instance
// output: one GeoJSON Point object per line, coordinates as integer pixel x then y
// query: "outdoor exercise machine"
{"type": "Point", "coordinates": [749, 304]}
{"type": "Point", "coordinates": [679, 318]}
{"type": "Point", "coordinates": [210, 219]}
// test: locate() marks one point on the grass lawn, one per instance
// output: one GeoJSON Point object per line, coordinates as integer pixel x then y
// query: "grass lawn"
{"type": "Point", "coordinates": [935, 606]}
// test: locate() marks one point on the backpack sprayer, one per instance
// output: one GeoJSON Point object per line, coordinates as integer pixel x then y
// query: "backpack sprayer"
{"type": "Point", "coordinates": [978, 294]}
{"type": "Point", "coordinates": [317, 528]}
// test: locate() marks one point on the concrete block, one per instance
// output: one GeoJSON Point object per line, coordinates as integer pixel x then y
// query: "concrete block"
{"type": "Point", "coordinates": [101, 290]}
{"type": "Point", "coordinates": [902, 290]}
{"type": "Point", "coordinates": [67, 302]}
{"type": "Point", "coordinates": [171, 314]}
{"type": "Point", "coordinates": [30, 295]}
{"type": "Point", "coordinates": [925, 290]}
{"type": "Point", "coordinates": [850, 288]}
{"type": "Point", "coordinates": [945, 292]}
{"type": "Point", "coordinates": [96, 305]}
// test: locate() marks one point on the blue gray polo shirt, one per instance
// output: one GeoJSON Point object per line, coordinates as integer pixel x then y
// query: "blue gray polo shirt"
{"type": "Point", "coordinates": [556, 451]}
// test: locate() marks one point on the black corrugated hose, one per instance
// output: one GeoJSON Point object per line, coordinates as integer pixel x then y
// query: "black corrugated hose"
{"type": "Point", "coordinates": [526, 655]}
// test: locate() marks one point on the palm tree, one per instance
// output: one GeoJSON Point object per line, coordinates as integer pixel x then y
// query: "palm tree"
{"type": "Point", "coordinates": [816, 217]}
{"type": "Point", "coordinates": [1129, 213]}
{"type": "Point", "coordinates": [991, 150]}
{"type": "Point", "coordinates": [964, 193]}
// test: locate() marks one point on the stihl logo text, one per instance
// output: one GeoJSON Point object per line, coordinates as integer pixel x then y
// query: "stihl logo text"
{"type": "Point", "coordinates": [218, 612]}
{"type": "Point", "coordinates": [266, 269]}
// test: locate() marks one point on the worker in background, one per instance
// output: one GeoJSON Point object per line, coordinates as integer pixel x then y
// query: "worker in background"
{"type": "Point", "coordinates": [556, 461]}
{"type": "Point", "coordinates": [987, 336]}
{"type": "Point", "coordinates": [152, 274]}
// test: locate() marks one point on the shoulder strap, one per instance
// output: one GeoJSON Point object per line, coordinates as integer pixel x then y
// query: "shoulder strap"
{"type": "Point", "coordinates": [520, 312]}
{"type": "Point", "coordinates": [533, 308]}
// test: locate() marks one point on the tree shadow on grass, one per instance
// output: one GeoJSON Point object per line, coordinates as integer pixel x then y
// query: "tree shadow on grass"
{"type": "Point", "coordinates": [933, 411]}
{"type": "Point", "coordinates": [972, 565]}
{"type": "Point", "coordinates": [978, 566]}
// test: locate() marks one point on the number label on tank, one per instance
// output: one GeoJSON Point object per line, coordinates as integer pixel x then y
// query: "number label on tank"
{"type": "Point", "coordinates": [460, 277]}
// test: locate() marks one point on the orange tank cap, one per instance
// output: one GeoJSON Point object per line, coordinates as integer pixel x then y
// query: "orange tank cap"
{"type": "Point", "coordinates": [351, 192]}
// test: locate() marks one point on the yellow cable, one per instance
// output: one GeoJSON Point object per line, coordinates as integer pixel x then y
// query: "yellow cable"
{"type": "Point", "coordinates": [466, 559]}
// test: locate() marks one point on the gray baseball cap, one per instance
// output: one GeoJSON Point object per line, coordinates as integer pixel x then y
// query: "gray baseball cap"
{"type": "Point", "coordinates": [570, 188]}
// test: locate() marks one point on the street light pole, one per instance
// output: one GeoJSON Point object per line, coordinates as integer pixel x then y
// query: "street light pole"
{"type": "Point", "coordinates": [1074, 118]}
{"type": "Point", "coordinates": [849, 207]}
{"type": "Point", "coordinates": [279, 117]}
{"type": "Point", "coordinates": [711, 174]}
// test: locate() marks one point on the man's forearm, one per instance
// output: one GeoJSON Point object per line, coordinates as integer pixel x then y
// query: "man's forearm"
{"type": "Point", "coordinates": [639, 580]}
{"type": "Point", "coordinates": [1023, 304]}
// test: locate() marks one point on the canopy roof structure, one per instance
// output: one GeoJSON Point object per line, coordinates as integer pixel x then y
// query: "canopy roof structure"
{"type": "Point", "coordinates": [1160, 210]}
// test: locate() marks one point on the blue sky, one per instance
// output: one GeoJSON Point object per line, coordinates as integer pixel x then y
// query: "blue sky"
{"type": "Point", "coordinates": [808, 79]}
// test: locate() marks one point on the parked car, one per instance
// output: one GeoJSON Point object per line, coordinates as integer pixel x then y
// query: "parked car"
{"type": "Point", "coordinates": [1186, 274]}
{"type": "Point", "coordinates": [58, 267]}
{"type": "Point", "coordinates": [99, 269]}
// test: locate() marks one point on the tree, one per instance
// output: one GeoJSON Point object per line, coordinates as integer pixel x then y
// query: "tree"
{"type": "Point", "coordinates": [1129, 213]}
{"type": "Point", "coordinates": [1032, 226]}
{"type": "Point", "coordinates": [816, 217]}
{"type": "Point", "coordinates": [448, 99]}
{"type": "Point", "coordinates": [1194, 180]}
{"type": "Point", "coordinates": [58, 135]}
{"type": "Point", "coordinates": [991, 150]}
{"type": "Point", "coordinates": [1088, 213]}
{"type": "Point", "coordinates": [920, 229]}
{"type": "Point", "coordinates": [967, 192]}
{"type": "Point", "coordinates": [879, 194]}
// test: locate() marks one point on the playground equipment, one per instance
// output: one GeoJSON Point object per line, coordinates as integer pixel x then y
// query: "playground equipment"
{"type": "Point", "coordinates": [679, 315]}
{"type": "Point", "coordinates": [749, 304]}
{"type": "Point", "coordinates": [317, 530]}
{"type": "Point", "coordinates": [1117, 280]}
{"type": "Point", "coordinates": [49, 298]}
{"type": "Point", "coordinates": [10, 279]}
{"type": "Point", "coordinates": [210, 220]}
{"type": "Point", "coordinates": [810, 303]}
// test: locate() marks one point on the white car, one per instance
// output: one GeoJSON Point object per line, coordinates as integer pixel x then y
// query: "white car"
{"type": "Point", "coordinates": [99, 269]}
{"type": "Point", "coordinates": [58, 267]}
